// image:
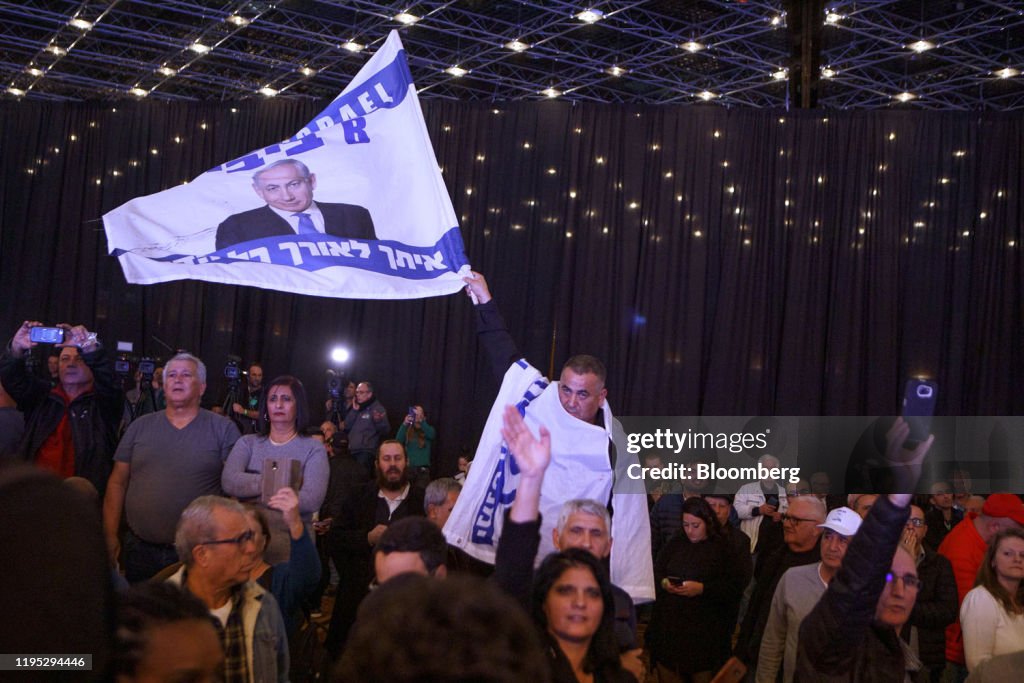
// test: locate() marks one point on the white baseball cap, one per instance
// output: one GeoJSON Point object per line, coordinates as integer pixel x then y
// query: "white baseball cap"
{"type": "Point", "coordinates": [842, 521]}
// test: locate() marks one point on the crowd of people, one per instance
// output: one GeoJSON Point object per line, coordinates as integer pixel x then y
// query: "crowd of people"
{"type": "Point", "coordinates": [206, 545]}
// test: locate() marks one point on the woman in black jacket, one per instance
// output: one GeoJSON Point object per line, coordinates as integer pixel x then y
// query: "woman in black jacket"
{"type": "Point", "coordinates": [572, 604]}
{"type": "Point", "coordinates": [689, 635]}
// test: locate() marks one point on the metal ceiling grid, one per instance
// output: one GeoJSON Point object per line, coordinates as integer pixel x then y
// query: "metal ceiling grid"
{"type": "Point", "coordinates": [729, 52]}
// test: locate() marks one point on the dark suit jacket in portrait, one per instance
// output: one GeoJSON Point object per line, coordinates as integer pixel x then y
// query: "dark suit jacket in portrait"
{"type": "Point", "coordinates": [340, 220]}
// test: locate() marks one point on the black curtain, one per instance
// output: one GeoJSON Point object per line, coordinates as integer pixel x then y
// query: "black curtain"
{"type": "Point", "coordinates": [720, 261]}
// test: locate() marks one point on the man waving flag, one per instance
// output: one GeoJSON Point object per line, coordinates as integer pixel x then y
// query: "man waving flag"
{"type": "Point", "coordinates": [352, 206]}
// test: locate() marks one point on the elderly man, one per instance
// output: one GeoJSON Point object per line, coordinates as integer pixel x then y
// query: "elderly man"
{"type": "Point", "coordinates": [358, 528]}
{"type": "Point", "coordinates": [852, 633]}
{"type": "Point", "coordinates": [218, 550]}
{"type": "Point", "coordinates": [164, 461]}
{"type": "Point", "coordinates": [583, 465]}
{"type": "Point", "coordinates": [798, 592]}
{"type": "Point", "coordinates": [70, 428]}
{"type": "Point", "coordinates": [287, 188]}
{"type": "Point", "coordinates": [801, 532]}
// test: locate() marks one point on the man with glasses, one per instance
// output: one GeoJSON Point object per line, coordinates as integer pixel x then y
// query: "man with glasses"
{"type": "Point", "coordinates": [365, 426]}
{"type": "Point", "coordinates": [801, 531]}
{"type": "Point", "coordinates": [218, 550]}
{"type": "Point", "coordinates": [798, 591]}
{"type": "Point", "coordinates": [936, 606]}
{"type": "Point", "coordinates": [165, 461]}
{"type": "Point", "coordinates": [852, 634]}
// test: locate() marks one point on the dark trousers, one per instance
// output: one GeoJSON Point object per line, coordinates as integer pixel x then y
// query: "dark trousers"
{"type": "Point", "coordinates": [143, 559]}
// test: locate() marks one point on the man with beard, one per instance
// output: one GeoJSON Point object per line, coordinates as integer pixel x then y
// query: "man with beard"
{"type": "Point", "coordinates": [363, 520]}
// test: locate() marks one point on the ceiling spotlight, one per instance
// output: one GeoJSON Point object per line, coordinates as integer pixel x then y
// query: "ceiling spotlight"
{"type": "Point", "coordinates": [353, 46]}
{"type": "Point", "coordinates": [339, 354]}
{"type": "Point", "coordinates": [199, 48]}
{"type": "Point", "coordinates": [456, 70]}
{"type": "Point", "coordinates": [921, 46]}
{"type": "Point", "coordinates": [590, 16]}
{"type": "Point", "coordinates": [80, 24]}
{"type": "Point", "coordinates": [34, 71]}
{"type": "Point", "coordinates": [832, 18]}
{"type": "Point", "coordinates": [780, 75]}
{"type": "Point", "coordinates": [166, 71]}
{"type": "Point", "coordinates": [828, 72]}
{"type": "Point", "coordinates": [550, 92]}
{"type": "Point", "coordinates": [776, 20]}
{"type": "Point", "coordinates": [267, 91]}
{"type": "Point", "coordinates": [692, 46]}
{"type": "Point", "coordinates": [138, 92]}
{"type": "Point", "coordinates": [1008, 72]}
{"type": "Point", "coordinates": [706, 95]}
{"type": "Point", "coordinates": [57, 50]}
{"type": "Point", "coordinates": [616, 71]}
{"type": "Point", "coordinates": [17, 92]}
{"type": "Point", "coordinates": [306, 71]}
{"type": "Point", "coordinates": [906, 96]}
{"type": "Point", "coordinates": [406, 18]}
{"type": "Point", "coordinates": [517, 45]}
{"type": "Point", "coordinates": [237, 20]}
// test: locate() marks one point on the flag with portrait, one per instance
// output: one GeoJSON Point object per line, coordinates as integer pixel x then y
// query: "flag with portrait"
{"type": "Point", "coordinates": [353, 205]}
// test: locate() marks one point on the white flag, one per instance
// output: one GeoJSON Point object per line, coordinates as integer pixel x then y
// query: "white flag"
{"type": "Point", "coordinates": [352, 206]}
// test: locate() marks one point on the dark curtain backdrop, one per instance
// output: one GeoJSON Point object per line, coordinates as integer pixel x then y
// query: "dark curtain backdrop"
{"type": "Point", "coordinates": [720, 261]}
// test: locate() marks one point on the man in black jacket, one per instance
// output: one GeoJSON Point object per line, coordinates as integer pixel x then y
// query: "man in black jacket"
{"type": "Point", "coordinates": [70, 429]}
{"type": "Point", "coordinates": [851, 634]}
{"type": "Point", "coordinates": [937, 603]}
{"type": "Point", "coordinates": [356, 531]}
{"type": "Point", "coordinates": [801, 534]}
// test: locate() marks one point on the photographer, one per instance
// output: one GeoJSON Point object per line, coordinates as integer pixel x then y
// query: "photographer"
{"type": "Point", "coordinates": [246, 410]}
{"type": "Point", "coordinates": [71, 428]}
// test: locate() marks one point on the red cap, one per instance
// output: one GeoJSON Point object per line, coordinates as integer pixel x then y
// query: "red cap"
{"type": "Point", "coordinates": [1004, 505]}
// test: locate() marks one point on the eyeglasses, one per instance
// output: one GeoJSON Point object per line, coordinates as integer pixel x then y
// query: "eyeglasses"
{"type": "Point", "coordinates": [240, 540]}
{"type": "Point", "coordinates": [910, 581]}
{"type": "Point", "coordinates": [797, 520]}
{"type": "Point", "coordinates": [915, 522]}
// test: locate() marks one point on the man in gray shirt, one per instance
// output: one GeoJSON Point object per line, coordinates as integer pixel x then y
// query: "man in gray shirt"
{"type": "Point", "coordinates": [165, 460]}
{"type": "Point", "coordinates": [798, 592]}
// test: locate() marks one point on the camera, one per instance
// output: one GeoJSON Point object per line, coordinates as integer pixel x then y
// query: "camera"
{"type": "Point", "coordinates": [233, 370]}
{"type": "Point", "coordinates": [334, 384]}
{"type": "Point", "coordinates": [147, 366]}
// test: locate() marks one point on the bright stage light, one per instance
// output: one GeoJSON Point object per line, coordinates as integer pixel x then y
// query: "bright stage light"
{"type": "Point", "coordinates": [339, 354]}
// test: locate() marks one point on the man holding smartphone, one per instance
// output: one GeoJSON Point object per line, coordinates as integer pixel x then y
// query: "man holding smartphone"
{"type": "Point", "coordinates": [70, 428]}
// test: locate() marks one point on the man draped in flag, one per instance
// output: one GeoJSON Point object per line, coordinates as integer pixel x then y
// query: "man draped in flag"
{"type": "Point", "coordinates": [584, 459]}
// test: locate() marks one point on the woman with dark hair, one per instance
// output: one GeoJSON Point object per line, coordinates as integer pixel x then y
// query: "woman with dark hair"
{"type": "Point", "coordinates": [261, 464]}
{"type": "Point", "coordinates": [690, 633]}
{"type": "Point", "coordinates": [992, 613]}
{"type": "Point", "coordinates": [165, 634]}
{"type": "Point", "coordinates": [572, 603]}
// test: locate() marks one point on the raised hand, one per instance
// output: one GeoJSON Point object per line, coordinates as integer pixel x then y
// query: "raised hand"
{"type": "Point", "coordinates": [532, 454]}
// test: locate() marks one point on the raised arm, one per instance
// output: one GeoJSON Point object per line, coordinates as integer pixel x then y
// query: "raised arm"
{"type": "Point", "coordinates": [490, 326]}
